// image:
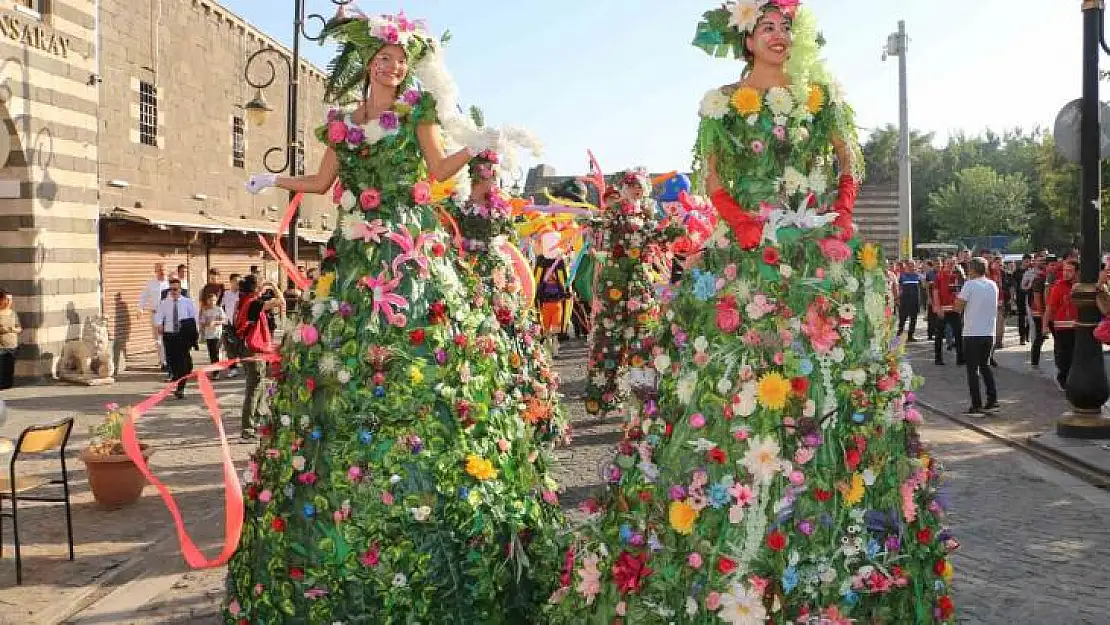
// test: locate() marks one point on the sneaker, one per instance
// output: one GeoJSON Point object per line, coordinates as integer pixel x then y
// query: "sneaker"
{"type": "Point", "coordinates": [1060, 385]}
{"type": "Point", "coordinates": [992, 407]}
{"type": "Point", "coordinates": [994, 363]}
{"type": "Point", "coordinates": [911, 340]}
{"type": "Point", "coordinates": [976, 413]}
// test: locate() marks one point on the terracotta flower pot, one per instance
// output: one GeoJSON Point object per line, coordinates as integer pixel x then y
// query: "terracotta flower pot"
{"type": "Point", "coordinates": [114, 479]}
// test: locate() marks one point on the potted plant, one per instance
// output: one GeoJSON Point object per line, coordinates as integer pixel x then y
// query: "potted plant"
{"type": "Point", "coordinates": [114, 479]}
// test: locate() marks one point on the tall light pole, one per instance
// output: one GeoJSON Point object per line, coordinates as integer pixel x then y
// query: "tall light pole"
{"type": "Point", "coordinates": [1087, 388]}
{"type": "Point", "coordinates": [258, 109]}
{"type": "Point", "coordinates": [896, 45]}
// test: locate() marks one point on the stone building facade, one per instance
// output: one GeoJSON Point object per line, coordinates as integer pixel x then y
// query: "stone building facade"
{"type": "Point", "coordinates": [48, 178]}
{"type": "Point", "coordinates": [130, 146]}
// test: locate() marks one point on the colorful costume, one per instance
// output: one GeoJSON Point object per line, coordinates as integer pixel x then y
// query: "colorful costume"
{"type": "Point", "coordinates": [626, 246]}
{"type": "Point", "coordinates": [780, 478]}
{"type": "Point", "coordinates": [396, 480]}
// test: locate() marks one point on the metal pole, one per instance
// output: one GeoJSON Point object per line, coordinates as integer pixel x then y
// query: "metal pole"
{"type": "Point", "coordinates": [1087, 388]}
{"type": "Point", "coordinates": [291, 131]}
{"type": "Point", "coordinates": [905, 208]}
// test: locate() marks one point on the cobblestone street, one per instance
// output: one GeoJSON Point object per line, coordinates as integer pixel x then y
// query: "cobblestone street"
{"type": "Point", "coordinates": [1032, 537]}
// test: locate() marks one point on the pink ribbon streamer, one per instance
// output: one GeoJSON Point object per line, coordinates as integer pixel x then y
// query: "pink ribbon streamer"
{"type": "Point", "coordinates": [233, 494]}
{"type": "Point", "coordinates": [278, 252]}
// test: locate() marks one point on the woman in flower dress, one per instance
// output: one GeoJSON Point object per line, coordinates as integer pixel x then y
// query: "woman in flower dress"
{"type": "Point", "coordinates": [782, 478]}
{"type": "Point", "coordinates": [394, 482]}
{"type": "Point", "coordinates": [626, 244]}
{"type": "Point", "coordinates": [484, 216]}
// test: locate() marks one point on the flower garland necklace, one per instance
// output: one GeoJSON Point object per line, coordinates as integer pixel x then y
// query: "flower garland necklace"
{"type": "Point", "coordinates": [342, 126]}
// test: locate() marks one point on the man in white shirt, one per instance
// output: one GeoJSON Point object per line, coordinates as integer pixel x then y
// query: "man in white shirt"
{"type": "Point", "coordinates": [978, 302]}
{"type": "Point", "coordinates": [175, 320]}
{"type": "Point", "coordinates": [148, 302]}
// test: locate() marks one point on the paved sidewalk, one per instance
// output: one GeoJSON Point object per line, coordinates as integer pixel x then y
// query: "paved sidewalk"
{"type": "Point", "coordinates": [110, 545]}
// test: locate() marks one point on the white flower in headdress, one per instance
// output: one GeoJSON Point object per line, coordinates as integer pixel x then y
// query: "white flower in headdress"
{"type": "Point", "coordinates": [745, 14]}
{"type": "Point", "coordinates": [714, 105]}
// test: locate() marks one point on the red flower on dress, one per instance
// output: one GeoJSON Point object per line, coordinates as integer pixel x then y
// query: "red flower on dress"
{"type": "Point", "coordinates": [924, 536]}
{"type": "Point", "coordinates": [310, 384]}
{"type": "Point", "coordinates": [296, 574]}
{"type": "Point", "coordinates": [800, 386]}
{"type": "Point", "coordinates": [717, 455]}
{"type": "Point", "coordinates": [852, 459]}
{"type": "Point", "coordinates": [822, 495]}
{"type": "Point", "coordinates": [725, 565]}
{"type": "Point", "coordinates": [278, 524]}
{"type": "Point", "coordinates": [946, 606]}
{"type": "Point", "coordinates": [771, 255]}
{"type": "Point", "coordinates": [416, 337]}
{"type": "Point", "coordinates": [437, 312]}
{"type": "Point", "coordinates": [630, 571]}
{"type": "Point", "coordinates": [776, 540]}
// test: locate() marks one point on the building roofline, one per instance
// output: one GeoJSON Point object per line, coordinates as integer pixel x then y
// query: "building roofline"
{"type": "Point", "coordinates": [273, 43]}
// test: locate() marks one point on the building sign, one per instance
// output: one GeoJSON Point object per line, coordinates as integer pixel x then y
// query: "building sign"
{"type": "Point", "coordinates": [33, 35]}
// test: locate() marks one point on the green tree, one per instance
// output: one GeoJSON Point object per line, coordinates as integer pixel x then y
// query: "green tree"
{"type": "Point", "coordinates": [982, 202]}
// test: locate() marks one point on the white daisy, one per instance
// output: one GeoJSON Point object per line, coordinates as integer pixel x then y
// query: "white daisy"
{"type": "Point", "coordinates": [745, 14]}
{"type": "Point", "coordinates": [762, 459]}
{"type": "Point", "coordinates": [742, 606]}
{"type": "Point", "coordinates": [714, 104]}
{"type": "Point", "coordinates": [793, 181]}
{"type": "Point", "coordinates": [347, 200]}
{"type": "Point", "coordinates": [779, 101]}
{"type": "Point", "coordinates": [685, 389]}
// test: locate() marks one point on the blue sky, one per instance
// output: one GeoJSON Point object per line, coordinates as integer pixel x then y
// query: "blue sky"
{"type": "Point", "coordinates": [619, 76]}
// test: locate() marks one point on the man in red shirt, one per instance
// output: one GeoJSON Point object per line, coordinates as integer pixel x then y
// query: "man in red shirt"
{"type": "Point", "coordinates": [950, 279]}
{"type": "Point", "coordinates": [1060, 316]}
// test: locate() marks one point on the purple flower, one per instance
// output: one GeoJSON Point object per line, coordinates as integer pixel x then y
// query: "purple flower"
{"type": "Point", "coordinates": [411, 97]}
{"type": "Point", "coordinates": [441, 356]}
{"type": "Point", "coordinates": [806, 527]}
{"type": "Point", "coordinates": [676, 492]}
{"type": "Point", "coordinates": [345, 309]}
{"type": "Point", "coordinates": [637, 540]}
{"type": "Point", "coordinates": [812, 440]}
{"type": "Point", "coordinates": [893, 544]}
{"type": "Point", "coordinates": [355, 135]}
{"type": "Point", "coordinates": [614, 473]}
{"type": "Point", "coordinates": [389, 120]}
{"type": "Point", "coordinates": [417, 445]}
{"type": "Point", "coordinates": [333, 114]}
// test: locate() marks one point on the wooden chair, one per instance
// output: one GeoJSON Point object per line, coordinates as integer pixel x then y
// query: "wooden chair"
{"type": "Point", "coordinates": [36, 440]}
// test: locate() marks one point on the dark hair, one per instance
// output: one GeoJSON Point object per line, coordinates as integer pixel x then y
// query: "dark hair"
{"type": "Point", "coordinates": [749, 56]}
{"type": "Point", "coordinates": [183, 266]}
{"type": "Point", "coordinates": [249, 284]}
{"type": "Point", "coordinates": [3, 293]}
{"type": "Point", "coordinates": [233, 277]}
{"type": "Point", "coordinates": [176, 281]}
{"type": "Point", "coordinates": [572, 190]}
{"type": "Point", "coordinates": [978, 265]}
{"type": "Point", "coordinates": [255, 269]}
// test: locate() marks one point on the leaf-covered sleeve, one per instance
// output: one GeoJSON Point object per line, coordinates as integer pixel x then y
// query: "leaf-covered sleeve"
{"type": "Point", "coordinates": [426, 112]}
{"type": "Point", "coordinates": [841, 121]}
{"type": "Point", "coordinates": [708, 142]}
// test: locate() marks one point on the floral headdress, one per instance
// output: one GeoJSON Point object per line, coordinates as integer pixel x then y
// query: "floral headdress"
{"type": "Point", "coordinates": [485, 165]}
{"type": "Point", "coordinates": [722, 31]}
{"type": "Point", "coordinates": [634, 177]}
{"type": "Point", "coordinates": [363, 36]}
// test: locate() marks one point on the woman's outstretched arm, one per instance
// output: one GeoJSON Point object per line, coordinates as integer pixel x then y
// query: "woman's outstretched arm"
{"type": "Point", "coordinates": [440, 166]}
{"type": "Point", "coordinates": [318, 182]}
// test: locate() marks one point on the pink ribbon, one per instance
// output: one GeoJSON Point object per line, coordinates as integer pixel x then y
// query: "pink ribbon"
{"type": "Point", "coordinates": [233, 494]}
{"type": "Point", "coordinates": [278, 252]}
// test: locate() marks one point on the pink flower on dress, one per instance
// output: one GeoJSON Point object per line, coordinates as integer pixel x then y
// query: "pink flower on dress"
{"type": "Point", "coordinates": [820, 329]}
{"type": "Point", "coordinates": [370, 199]}
{"type": "Point", "coordinates": [835, 250]}
{"type": "Point", "coordinates": [422, 192]}
{"type": "Point", "coordinates": [309, 334]}
{"type": "Point", "coordinates": [337, 131]}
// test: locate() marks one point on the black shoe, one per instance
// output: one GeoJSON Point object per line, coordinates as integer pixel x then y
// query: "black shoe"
{"type": "Point", "coordinates": [179, 394]}
{"type": "Point", "coordinates": [1021, 343]}
{"type": "Point", "coordinates": [938, 362]}
{"type": "Point", "coordinates": [992, 407]}
{"type": "Point", "coordinates": [1061, 385]}
{"type": "Point", "coordinates": [960, 363]}
{"type": "Point", "coordinates": [994, 363]}
{"type": "Point", "coordinates": [976, 413]}
{"type": "Point", "coordinates": [911, 340]}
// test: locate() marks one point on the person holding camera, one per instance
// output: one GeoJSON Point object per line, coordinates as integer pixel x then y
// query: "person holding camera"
{"type": "Point", "coordinates": [257, 304]}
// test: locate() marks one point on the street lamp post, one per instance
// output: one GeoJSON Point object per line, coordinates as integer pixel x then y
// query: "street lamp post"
{"type": "Point", "coordinates": [1087, 388]}
{"type": "Point", "coordinates": [896, 45]}
{"type": "Point", "coordinates": [258, 109]}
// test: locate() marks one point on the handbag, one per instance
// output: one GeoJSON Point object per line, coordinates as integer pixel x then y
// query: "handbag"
{"type": "Point", "coordinates": [1102, 331]}
{"type": "Point", "coordinates": [259, 340]}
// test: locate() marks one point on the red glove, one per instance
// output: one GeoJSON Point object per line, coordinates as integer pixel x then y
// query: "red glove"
{"type": "Point", "coordinates": [847, 192]}
{"type": "Point", "coordinates": [746, 228]}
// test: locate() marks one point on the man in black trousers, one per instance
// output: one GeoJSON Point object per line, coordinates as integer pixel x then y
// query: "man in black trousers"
{"type": "Point", "coordinates": [176, 323]}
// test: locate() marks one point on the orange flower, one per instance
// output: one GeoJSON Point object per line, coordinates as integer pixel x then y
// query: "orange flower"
{"type": "Point", "coordinates": [536, 411]}
{"type": "Point", "coordinates": [747, 101]}
{"type": "Point", "coordinates": [816, 99]}
{"type": "Point", "coordinates": [615, 294]}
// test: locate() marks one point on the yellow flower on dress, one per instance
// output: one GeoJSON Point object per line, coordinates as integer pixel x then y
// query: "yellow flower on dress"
{"type": "Point", "coordinates": [869, 257]}
{"type": "Point", "coordinates": [854, 494]}
{"type": "Point", "coordinates": [634, 254]}
{"type": "Point", "coordinates": [323, 285]}
{"type": "Point", "coordinates": [682, 517]}
{"type": "Point", "coordinates": [747, 101]}
{"type": "Point", "coordinates": [773, 391]}
{"type": "Point", "coordinates": [416, 374]}
{"type": "Point", "coordinates": [615, 294]}
{"type": "Point", "coordinates": [480, 468]}
{"type": "Point", "coordinates": [816, 100]}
